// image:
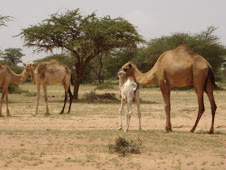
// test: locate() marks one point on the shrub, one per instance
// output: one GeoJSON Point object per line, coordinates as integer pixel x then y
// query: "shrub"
{"type": "Point", "coordinates": [123, 147]}
{"type": "Point", "coordinates": [104, 86]}
{"type": "Point", "coordinates": [94, 96]}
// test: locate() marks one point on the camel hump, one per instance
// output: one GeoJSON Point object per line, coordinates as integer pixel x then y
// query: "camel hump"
{"type": "Point", "coordinates": [183, 46]}
{"type": "Point", "coordinates": [185, 49]}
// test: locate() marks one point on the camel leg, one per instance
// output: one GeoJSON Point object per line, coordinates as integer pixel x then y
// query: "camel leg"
{"type": "Point", "coordinates": [7, 102]}
{"type": "Point", "coordinates": [38, 97]}
{"type": "Point", "coordinates": [201, 107]}
{"type": "Point", "coordinates": [209, 92]}
{"type": "Point", "coordinates": [166, 97]}
{"type": "Point", "coordinates": [138, 108]}
{"type": "Point", "coordinates": [2, 99]}
{"type": "Point", "coordinates": [65, 97]}
{"type": "Point", "coordinates": [129, 113]}
{"type": "Point", "coordinates": [120, 113]}
{"type": "Point", "coordinates": [71, 98]}
{"type": "Point", "coordinates": [46, 98]}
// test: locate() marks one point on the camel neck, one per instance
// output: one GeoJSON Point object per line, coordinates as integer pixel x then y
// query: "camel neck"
{"type": "Point", "coordinates": [147, 78]}
{"type": "Point", "coordinates": [121, 81]}
{"type": "Point", "coordinates": [19, 78]}
{"type": "Point", "coordinates": [33, 75]}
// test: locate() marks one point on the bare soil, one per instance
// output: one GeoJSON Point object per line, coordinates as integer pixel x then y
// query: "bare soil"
{"type": "Point", "coordinates": [80, 140]}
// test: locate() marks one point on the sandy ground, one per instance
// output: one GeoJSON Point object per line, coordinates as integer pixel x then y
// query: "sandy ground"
{"type": "Point", "coordinates": [80, 140]}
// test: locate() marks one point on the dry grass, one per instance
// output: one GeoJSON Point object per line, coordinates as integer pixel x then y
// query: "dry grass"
{"type": "Point", "coordinates": [80, 140]}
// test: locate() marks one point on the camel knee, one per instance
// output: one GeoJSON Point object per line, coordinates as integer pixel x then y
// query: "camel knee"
{"type": "Point", "coordinates": [214, 108]}
{"type": "Point", "coordinates": [201, 110]}
{"type": "Point", "coordinates": [167, 108]}
{"type": "Point", "coordinates": [129, 114]}
{"type": "Point", "coordinates": [139, 115]}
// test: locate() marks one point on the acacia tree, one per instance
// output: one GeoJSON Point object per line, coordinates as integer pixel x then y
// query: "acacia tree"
{"type": "Point", "coordinates": [4, 19]}
{"type": "Point", "coordinates": [85, 37]}
{"type": "Point", "coordinates": [13, 55]}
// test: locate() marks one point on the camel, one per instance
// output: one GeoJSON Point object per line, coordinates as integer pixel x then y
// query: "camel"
{"type": "Point", "coordinates": [129, 93]}
{"type": "Point", "coordinates": [51, 73]}
{"type": "Point", "coordinates": [179, 67]}
{"type": "Point", "coordinates": [7, 76]}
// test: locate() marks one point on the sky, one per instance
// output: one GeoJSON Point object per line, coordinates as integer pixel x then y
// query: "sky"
{"type": "Point", "coordinates": [152, 18]}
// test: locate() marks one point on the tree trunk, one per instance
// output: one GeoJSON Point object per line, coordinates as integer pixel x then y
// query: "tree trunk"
{"type": "Point", "coordinates": [76, 89]}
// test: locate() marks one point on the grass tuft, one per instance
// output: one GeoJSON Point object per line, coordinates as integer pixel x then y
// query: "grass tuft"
{"type": "Point", "coordinates": [123, 147]}
{"type": "Point", "coordinates": [93, 96]}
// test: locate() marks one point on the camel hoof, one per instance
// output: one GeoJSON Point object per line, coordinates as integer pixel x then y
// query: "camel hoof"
{"type": "Point", "coordinates": [192, 130]}
{"type": "Point", "coordinates": [168, 130]}
{"type": "Point", "coordinates": [120, 128]}
{"type": "Point", "coordinates": [61, 113]}
{"type": "Point", "coordinates": [125, 131]}
{"type": "Point", "coordinates": [8, 115]}
{"type": "Point", "coordinates": [210, 132]}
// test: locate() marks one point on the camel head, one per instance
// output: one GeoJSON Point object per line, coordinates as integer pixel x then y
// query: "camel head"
{"type": "Point", "coordinates": [121, 75]}
{"type": "Point", "coordinates": [129, 69]}
{"type": "Point", "coordinates": [29, 66]}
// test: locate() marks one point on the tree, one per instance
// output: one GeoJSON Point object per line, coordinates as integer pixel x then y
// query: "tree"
{"type": "Point", "coordinates": [205, 43]}
{"type": "Point", "coordinates": [85, 37]}
{"type": "Point", "coordinates": [4, 19]}
{"type": "Point", "coordinates": [13, 55]}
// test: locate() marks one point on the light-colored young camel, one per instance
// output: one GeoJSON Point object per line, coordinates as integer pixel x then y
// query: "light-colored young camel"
{"type": "Point", "coordinates": [51, 73]}
{"type": "Point", "coordinates": [179, 67]}
{"type": "Point", "coordinates": [7, 76]}
{"type": "Point", "coordinates": [129, 93]}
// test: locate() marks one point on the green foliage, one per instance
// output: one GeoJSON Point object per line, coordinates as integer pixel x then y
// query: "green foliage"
{"type": "Point", "coordinates": [124, 147]}
{"type": "Point", "coordinates": [13, 56]}
{"type": "Point", "coordinates": [4, 19]}
{"type": "Point", "coordinates": [93, 96]}
{"type": "Point", "coordinates": [84, 37]}
{"type": "Point", "coordinates": [205, 43]}
{"type": "Point", "coordinates": [104, 86]}
{"type": "Point", "coordinates": [14, 89]}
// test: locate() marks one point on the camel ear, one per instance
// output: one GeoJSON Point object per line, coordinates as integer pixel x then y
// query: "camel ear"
{"type": "Point", "coordinates": [34, 63]}
{"type": "Point", "coordinates": [24, 64]}
{"type": "Point", "coordinates": [130, 65]}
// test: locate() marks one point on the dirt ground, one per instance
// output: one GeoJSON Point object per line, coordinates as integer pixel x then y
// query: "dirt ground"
{"type": "Point", "coordinates": [80, 140]}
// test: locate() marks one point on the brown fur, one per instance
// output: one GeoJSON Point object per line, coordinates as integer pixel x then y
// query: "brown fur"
{"type": "Point", "coordinates": [7, 76]}
{"type": "Point", "coordinates": [50, 73]}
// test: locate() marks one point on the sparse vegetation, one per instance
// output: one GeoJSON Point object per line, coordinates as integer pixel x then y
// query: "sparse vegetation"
{"type": "Point", "coordinates": [81, 139]}
{"type": "Point", "coordinates": [93, 96]}
{"type": "Point", "coordinates": [123, 147]}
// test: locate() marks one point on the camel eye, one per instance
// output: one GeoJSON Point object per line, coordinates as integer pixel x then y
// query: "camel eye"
{"type": "Point", "coordinates": [125, 69]}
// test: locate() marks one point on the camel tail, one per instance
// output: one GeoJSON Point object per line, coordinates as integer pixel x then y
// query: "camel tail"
{"type": "Point", "coordinates": [72, 80]}
{"type": "Point", "coordinates": [211, 76]}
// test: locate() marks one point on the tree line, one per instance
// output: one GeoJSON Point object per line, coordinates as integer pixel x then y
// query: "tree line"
{"type": "Point", "coordinates": [95, 48]}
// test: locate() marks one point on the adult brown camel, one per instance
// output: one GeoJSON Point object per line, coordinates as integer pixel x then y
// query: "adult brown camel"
{"type": "Point", "coordinates": [51, 73]}
{"type": "Point", "coordinates": [179, 67]}
{"type": "Point", "coordinates": [7, 76]}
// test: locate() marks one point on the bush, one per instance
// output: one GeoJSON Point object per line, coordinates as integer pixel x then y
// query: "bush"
{"type": "Point", "coordinates": [104, 86]}
{"type": "Point", "coordinates": [13, 88]}
{"type": "Point", "coordinates": [123, 147]}
{"type": "Point", "coordinates": [92, 96]}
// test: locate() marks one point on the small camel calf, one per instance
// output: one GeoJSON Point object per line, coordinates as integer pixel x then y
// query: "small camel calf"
{"type": "Point", "coordinates": [129, 93]}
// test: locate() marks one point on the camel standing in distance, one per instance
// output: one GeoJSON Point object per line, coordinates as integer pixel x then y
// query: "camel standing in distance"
{"type": "Point", "coordinates": [179, 67]}
{"type": "Point", "coordinates": [129, 93]}
{"type": "Point", "coordinates": [51, 73]}
{"type": "Point", "coordinates": [7, 76]}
